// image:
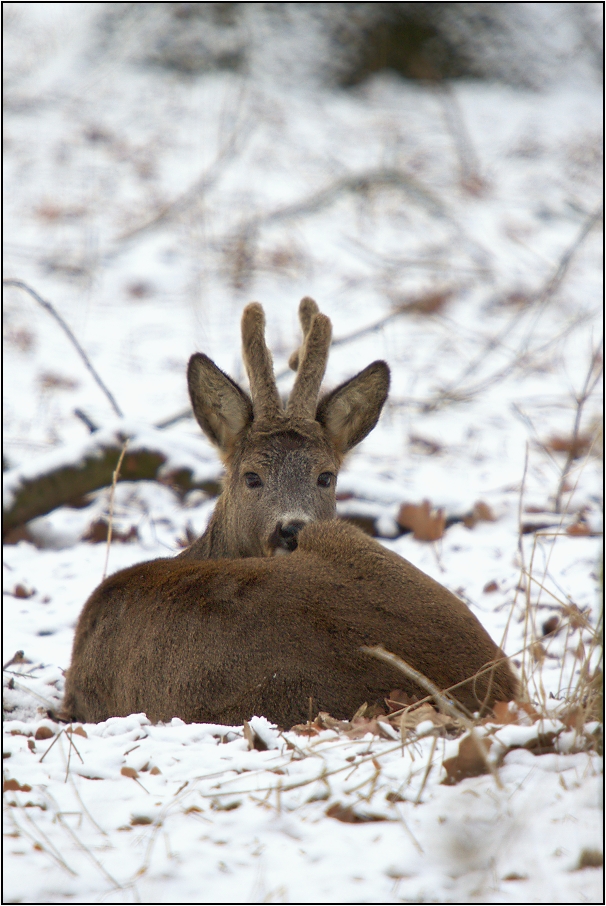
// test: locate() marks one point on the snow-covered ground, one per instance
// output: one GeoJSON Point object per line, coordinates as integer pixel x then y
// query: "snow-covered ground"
{"type": "Point", "coordinates": [149, 208]}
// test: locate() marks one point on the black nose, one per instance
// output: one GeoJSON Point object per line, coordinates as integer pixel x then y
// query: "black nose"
{"type": "Point", "coordinates": [286, 534]}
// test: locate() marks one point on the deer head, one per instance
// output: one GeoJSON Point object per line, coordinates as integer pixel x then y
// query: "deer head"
{"type": "Point", "coordinates": [281, 463]}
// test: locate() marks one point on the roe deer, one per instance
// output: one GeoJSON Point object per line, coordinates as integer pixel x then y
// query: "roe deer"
{"type": "Point", "coordinates": [281, 464]}
{"type": "Point", "coordinates": [225, 630]}
{"type": "Point", "coordinates": [218, 641]}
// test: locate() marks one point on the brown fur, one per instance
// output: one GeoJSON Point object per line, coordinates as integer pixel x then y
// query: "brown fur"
{"type": "Point", "coordinates": [249, 432]}
{"type": "Point", "coordinates": [221, 641]}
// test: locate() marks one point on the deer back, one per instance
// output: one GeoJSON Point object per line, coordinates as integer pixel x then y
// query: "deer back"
{"type": "Point", "coordinates": [219, 641]}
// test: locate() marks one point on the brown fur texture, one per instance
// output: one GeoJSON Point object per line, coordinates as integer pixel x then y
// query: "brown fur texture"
{"type": "Point", "coordinates": [256, 436]}
{"type": "Point", "coordinates": [222, 641]}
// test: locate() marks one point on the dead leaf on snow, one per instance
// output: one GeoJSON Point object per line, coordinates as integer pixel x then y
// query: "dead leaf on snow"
{"type": "Point", "coordinates": [467, 763]}
{"type": "Point", "coordinates": [425, 523]}
{"type": "Point", "coordinates": [481, 512]}
{"type": "Point", "coordinates": [13, 784]}
{"type": "Point", "coordinates": [348, 815]}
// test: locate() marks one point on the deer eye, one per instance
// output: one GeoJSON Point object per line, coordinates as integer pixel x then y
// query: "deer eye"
{"type": "Point", "coordinates": [253, 480]}
{"type": "Point", "coordinates": [325, 479]}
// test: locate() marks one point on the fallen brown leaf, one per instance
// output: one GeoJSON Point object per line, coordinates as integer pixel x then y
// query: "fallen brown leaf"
{"type": "Point", "coordinates": [574, 445]}
{"type": "Point", "coordinates": [467, 763]}
{"type": "Point", "coordinates": [13, 784]}
{"type": "Point", "coordinates": [425, 523]}
{"type": "Point", "coordinates": [578, 529]}
{"type": "Point", "coordinates": [97, 533]}
{"type": "Point", "coordinates": [43, 733]}
{"type": "Point", "coordinates": [481, 512]}
{"type": "Point", "coordinates": [347, 814]}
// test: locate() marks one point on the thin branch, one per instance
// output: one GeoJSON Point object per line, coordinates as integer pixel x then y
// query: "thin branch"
{"type": "Point", "coordinates": [427, 770]}
{"type": "Point", "coordinates": [381, 177]}
{"type": "Point", "coordinates": [187, 198]}
{"type": "Point", "coordinates": [49, 848]}
{"type": "Point", "coordinates": [594, 373]}
{"type": "Point", "coordinates": [52, 311]}
{"type": "Point", "coordinates": [564, 263]}
{"type": "Point", "coordinates": [92, 427]}
{"type": "Point", "coordinates": [537, 301]}
{"type": "Point", "coordinates": [89, 853]}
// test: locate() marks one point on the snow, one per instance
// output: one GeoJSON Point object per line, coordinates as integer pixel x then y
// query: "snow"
{"type": "Point", "coordinates": [129, 197]}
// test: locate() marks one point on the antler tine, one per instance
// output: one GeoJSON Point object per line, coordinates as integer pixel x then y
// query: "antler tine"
{"type": "Point", "coordinates": [311, 360]}
{"type": "Point", "coordinates": [307, 309]}
{"type": "Point", "coordinates": [257, 359]}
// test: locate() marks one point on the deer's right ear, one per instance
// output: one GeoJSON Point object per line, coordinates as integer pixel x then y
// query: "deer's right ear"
{"type": "Point", "coordinates": [351, 411]}
{"type": "Point", "coordinates": [221, 408]}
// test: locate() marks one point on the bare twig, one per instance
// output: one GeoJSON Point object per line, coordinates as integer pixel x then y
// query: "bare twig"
{"type": "Point", "coordinates": [594, 373]}
{"type": "Point", "coordinates": [52, 311]}
{"type": "Point", "coordinates": [360, 183]}
{"type": "Point", "coordinates": [427, 771]}
{"type": "Point", "coordinates": [538, 301]}
{"type": "Point", "coordinates": [559, 273]}
{"type": "Point", "coordinates": [88, 852]}
{"type": "Point", "coordinates": [92, 427]}
{"type": "Point", "coordinates": [49, 848]}
{"type": "Point", "coordinates": [50, 747]}
{"type": "Point", "coordinates": [84, 808]}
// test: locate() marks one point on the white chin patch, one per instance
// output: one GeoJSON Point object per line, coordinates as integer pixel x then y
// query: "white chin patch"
{"type": "Point", "coordinates": [280, 551]}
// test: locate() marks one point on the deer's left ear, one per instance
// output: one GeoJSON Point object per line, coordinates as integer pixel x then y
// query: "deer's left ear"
{"type": "Point", "coordinates": [351, 411]}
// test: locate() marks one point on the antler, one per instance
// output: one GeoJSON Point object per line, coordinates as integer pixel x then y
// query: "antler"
{"type": "Point", "coordinates": [309, 361]}
{"type": "Point", "coordinates": [257, 359]}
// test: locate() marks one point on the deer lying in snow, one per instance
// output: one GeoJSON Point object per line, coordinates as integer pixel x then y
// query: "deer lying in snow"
{"type": "Point", "coordinates": [227, 630]}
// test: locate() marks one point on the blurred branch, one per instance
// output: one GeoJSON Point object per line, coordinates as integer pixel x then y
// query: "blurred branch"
{"type": "Point", "coordinates": [363, 183]}
{"type": "Point", "coordinates": [469, 164]}
{"type": "Point", "coordinates": [187, 198]}
{"type": "Point", "coordinates": [594, 374]}
{"type": "Point", "coordinates": [536, 302]}
{"type": "Point", "coordinates": [356, 184]}
{"type": "Point", "coordinates": [558, 275]}
{"type": "Point", "coordinates": [93, 468]}
{"type": "Point", "coordinates": [52, 311]}
{"type": "Point", "coordinates": [92, 427]}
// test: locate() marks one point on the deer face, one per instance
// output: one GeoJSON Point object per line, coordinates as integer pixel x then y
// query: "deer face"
{"type": "Point", "coordinates": [279, 483]}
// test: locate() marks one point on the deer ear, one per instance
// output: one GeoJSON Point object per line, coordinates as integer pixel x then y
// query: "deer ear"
{"type": "Point", "coordinates": [351, 411]}
{"type": "Point", "coordinates": [221, 408]}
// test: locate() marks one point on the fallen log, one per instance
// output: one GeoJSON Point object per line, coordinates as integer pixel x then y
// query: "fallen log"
{"type": "Point", "coordinates": [65, 476]}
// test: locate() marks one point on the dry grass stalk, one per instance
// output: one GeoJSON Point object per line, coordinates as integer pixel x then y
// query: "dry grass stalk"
{"type": "Point", "coordinates": [111, 505]}
{"type": "Point", "coordinates": [594, 374]}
